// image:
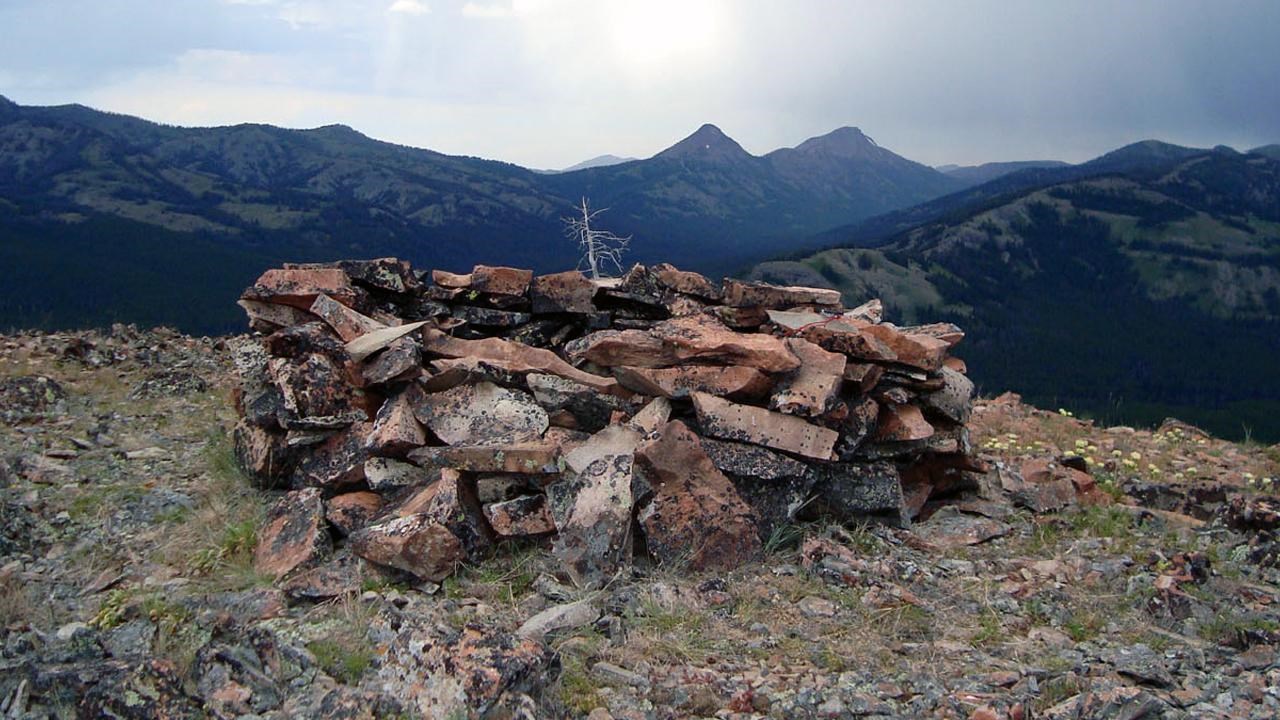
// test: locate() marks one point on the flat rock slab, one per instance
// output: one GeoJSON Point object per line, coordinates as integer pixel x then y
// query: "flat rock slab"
{"type": "Point", "coordinates": [559, 617]}
{"type": "Point", "coordinates": [696, 518]}
{"type": "Point", "coordinates": [533, 458]}
{"type": "Point", "coordinates": [747, 294]}
{"type": "Point", "coordinates": [610, 348]}
{"type": "Point", "coordinates": [591, 506]}
{"type": "Point", "coordinates": [702, 338]}
{"type": "Point", "coordinates": [482, 414]}
{"type": "Point", "coordinates": [949, 529]}
{"type": "Point", "coordinates": [451, 502]}
{"type": "Point", "coordinates": [401, 360]}
{"type": "Point", "coordinates": [745, 423]}
{"type": "Point", "coordinates": [294, 534]}
{"type": "Point", "coordinates": [299, 287]}
{"type": "Point", "coordinates": [811, 389]}
{"type": "Point", "coordinates": [684, 281]}
{"type": "Point", "coordinates": [512, 355]}
{"type": "Point", "coordinates": [923, 351]}
{"type": "Point", "coordinates": [744, 384]}
{"type": "Point", "coordinates": [566, 292]}
{"type": "Point", "coordinates": [500, 280]}
{"type": "Point", "coordinates": [751, 460]}
{"type": "Point", "coordinates": [591, 410]}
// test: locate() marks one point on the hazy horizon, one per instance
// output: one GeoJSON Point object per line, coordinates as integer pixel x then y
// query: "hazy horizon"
{"type": "Point", "coordinates": [549, 83]}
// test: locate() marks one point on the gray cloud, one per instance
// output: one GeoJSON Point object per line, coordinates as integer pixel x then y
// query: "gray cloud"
{"type": "Point", "coordinates": [548, 82]}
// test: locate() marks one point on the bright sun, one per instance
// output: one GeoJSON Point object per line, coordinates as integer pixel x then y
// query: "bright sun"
{"type": "Point", "coordinates": [654, 32]}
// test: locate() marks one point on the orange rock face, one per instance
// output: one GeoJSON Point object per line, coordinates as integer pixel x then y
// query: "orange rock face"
{"type": "Point", "coordinates": [500, 280]}
{"type": "Point", "coordinates": [746, 294]}
{"type": "Point", "coordinates": [811, 389]}
{"type": "Point", "coordinates": [696, 515]}
{"type": "Point", "coordinates": [566, 292]}
{"type": "Point", "coordinates": [514, 356]}
{"type": "Point", "coordinates": [294, 534]}
{"type": "Point", "coordinates": [352, 511]}
{"type": "Point", "coordinates": [902, 423]}
{"type": "Point", "coordinates": [348, 323]}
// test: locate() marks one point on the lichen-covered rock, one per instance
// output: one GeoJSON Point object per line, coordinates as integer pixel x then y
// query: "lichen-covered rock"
{"type": "Point", "coordinates": [395, 430]}
{"type": "Point", "coordinates": [733, 382]}
{"type": "Point", "coordinates": [351, 511]}
{"type": "Point", "coordinates": [695, 517]}
{"type": "Point", "coordinates": [30, 398]}
{"type": "Point", "coordinates": [335, 464]}
{"type": "Point", "coordinates": [746, 294]}
{"type": "Point", "coordinates": [263, 454]}
{"type": "Point", "coordinates": [151, 690]}
{"type": "Point", "coordinates": [300, 286]}
{"type": "Point", "coordinates": [591, 506]}
{"type": "Point", "coordinates": [566, 292]}
{"type": "Point", "coordinates": [523, 516]}
{"type": "Point", "coordinates": [481, 414]}
{"type": "Point", "coordinates": [469, 673]}
{"type": "Point", "coordinates": [858, 491]}
{"type": "Point", "coordinates": [294, 534]}
{"type": "Point", "coordinates": [416, 544]}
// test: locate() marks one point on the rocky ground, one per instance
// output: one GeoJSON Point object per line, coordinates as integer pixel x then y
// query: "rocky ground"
{"type": "Point", "coordinates": [127, 584]}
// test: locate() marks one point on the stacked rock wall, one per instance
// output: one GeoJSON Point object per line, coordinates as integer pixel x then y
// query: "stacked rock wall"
{"type": "Point", "coordinates": [422, 418]}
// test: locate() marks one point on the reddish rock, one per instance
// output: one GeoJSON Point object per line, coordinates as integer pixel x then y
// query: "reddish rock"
{"type": "Point", "coordinates": [309, 338]}
{"type": "Point", "coordinates": [401, 360]}
{"type": "Point", "coordinates": [733, 382]}
{"type": "Point", "coordinates": [652, 416]}
{"type": "Point", "coordinates": [901, 423]}
{"type": "Point", "coordinates": [300, 287]}
{"type": "Point", "coordinates": [745, 318]}
{"type": "Point", "coordinates": [514, 356]}
{"type": "Point", "coordinates": [500, 280]}
{"type": "Point", "coordinates": [565, 292]}
{"type": "Point", "coordinates": [956, 364]}
{"type": "Point", "coordinates": [609, 348]}
{"type": "Point", "coordinates": [294, 534]}
{"type": "Point", "coordinates": [922, 351]}
{"type": "Point", "coordinates": [415, 544]}
{"type": "Point", "coordinates": [481, 414]}
{"type": "Point", "coordinates": [949, 529]}
{"type": "Point", "coordinates": [745, 294]}
{"type": "Point", "coordinates": [263, 454]}
{"type": "Point", "coordinates": [337, 577]}
{"type": "Point", "coordinates": [1045, 486]}
{"type": "Point", "coordinates": [696, 516]}
{"type": "Point", "coordinates": [348, 323]}
{"type": "Point", "coordinates": [396, 431]}
{"type": "Point", "coordinates": [316, 393]}
{"type": "Point", "coordinates": [811, 389]}
{"type": "Point", "coordinates": [266, 317]}
{"type": "Point", "coordinates": [863, 375]}
{"type": "Point", "coordinates": [336, 464]}
{"type": "Point", "coordinates": [523, 516]}
{"type": "Point", "coordinates": [729, 421]}
{"type": "Point", "coordinates": [591, 506]}
{"type": "Point", "coordinates": [352, 511]}
{"type": "Point", "coordinates": [871, 311]}
{"type": "Point", "coordinates": [451, 502]}
{"type": "Point", "coordinates": [683, 281]}
{"type": "Point", "coordinates": [702, 338]}
{"type": "Point", "coordinates": [946, 332]}
{"type": "Point", "coordinates": [452, 281]}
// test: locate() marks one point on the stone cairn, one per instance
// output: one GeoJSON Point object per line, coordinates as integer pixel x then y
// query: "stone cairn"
{"type": "Point", "coordinates": [660, 415]}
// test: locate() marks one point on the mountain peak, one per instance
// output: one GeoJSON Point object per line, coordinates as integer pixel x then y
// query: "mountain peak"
{"type": "Point", "coordinates": [844, 142]}
{"type": "Point", "coordinates": [708, 143]}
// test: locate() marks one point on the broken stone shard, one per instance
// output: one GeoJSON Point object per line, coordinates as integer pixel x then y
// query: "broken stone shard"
{"type": "Point", "coordinates": [566, 292]}
{"type": "Point", "coordinates": [371, 342]}
{"type": "Point", "coordinates": [299, 287]}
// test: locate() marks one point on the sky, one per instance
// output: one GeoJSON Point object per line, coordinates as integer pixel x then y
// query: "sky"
{"type": "Point", "coordinates": [547, 83]}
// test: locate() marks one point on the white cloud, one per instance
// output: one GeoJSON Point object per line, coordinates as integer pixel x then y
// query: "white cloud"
{"type": "Point", "coordinates": [409, 7]}
{"type": "Point", "coordinates": [485, 11]}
